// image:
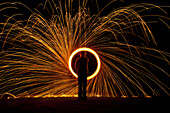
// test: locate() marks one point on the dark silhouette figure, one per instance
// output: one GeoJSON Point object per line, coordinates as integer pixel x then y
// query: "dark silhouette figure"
{"type": "Point", "coordinates": [81, 66]}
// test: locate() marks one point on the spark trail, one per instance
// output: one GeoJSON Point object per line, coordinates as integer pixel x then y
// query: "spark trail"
{"type": "Point", "coordinates": [36, 62]}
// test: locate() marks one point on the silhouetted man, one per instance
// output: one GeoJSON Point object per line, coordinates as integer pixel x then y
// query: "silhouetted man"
{"type": "Point", "coordinates": [81, 66]}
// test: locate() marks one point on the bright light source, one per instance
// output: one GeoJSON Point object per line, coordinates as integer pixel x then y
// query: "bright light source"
{"type": "Point", "coordinates": [88, 50]}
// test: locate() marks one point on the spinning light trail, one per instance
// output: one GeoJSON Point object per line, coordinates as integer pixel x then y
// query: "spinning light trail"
{"type": "Point", "coordinates": [91, 51]}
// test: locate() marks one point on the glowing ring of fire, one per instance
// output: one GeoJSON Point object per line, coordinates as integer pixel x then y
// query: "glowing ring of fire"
{"type": "Point", "coordinates": [91, 51]}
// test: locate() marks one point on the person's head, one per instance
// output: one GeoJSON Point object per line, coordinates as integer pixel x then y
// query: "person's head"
{"type": "Point", "coordinates": [84, 54]}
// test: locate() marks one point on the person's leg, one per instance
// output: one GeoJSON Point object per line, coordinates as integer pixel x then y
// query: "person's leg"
{"type": "Point", "coordinates": [84, 88]}
{"type": "Point", "coordinates": [79, 88]}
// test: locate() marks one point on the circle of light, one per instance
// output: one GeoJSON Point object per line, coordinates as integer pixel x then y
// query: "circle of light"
{"type": "Point", "coordinates": [91, 51]}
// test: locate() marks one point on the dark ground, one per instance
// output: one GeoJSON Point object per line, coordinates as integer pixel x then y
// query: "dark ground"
{"type": "Point", "coordinates": [91, 105]}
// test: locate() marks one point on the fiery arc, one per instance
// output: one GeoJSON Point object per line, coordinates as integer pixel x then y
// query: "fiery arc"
{"type": "Point", "coordinates": [91, 51]}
